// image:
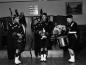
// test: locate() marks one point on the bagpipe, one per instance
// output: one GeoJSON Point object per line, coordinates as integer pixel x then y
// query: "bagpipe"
{"type": "Point", "coordinates": [43, 34]}
{"type": "Point", "coordinates": [41, 31]}
{"type": "Point", "coordinates": [20, 37]}
{"type": "Point", "coordinates": [17, 33]}
{"type": "Point", "coordinates": [17, 28]}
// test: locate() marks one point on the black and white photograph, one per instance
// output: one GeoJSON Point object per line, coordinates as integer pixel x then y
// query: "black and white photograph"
{"type": "Point", "coordinates": [42, 32]}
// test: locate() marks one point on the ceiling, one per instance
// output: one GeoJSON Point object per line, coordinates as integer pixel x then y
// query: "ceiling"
{"type": "Point", "coordinates": [9, 1]}
{"type": "Point", "coordinates": [26, 0]}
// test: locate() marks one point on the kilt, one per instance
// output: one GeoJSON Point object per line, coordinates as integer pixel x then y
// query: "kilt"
{"type": "Point", "coordinates": [72, 41]}
{"type": "Point", "coordinates": [44, 43]}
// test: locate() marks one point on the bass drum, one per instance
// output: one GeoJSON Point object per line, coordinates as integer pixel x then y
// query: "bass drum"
{"type": "Point", "coordinates": [62, 41]}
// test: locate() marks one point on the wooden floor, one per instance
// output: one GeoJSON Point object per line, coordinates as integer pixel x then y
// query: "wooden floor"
{"type": "Point", "coordinates": [28, 61]}
{"type": "Point", "coordinates": [80, 60]}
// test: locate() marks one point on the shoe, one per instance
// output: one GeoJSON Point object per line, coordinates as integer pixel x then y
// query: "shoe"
{"type": "Point", "coordinates": [17, 61]}
{"type": "Point", "coordinates": [44, 59]}
{"type": "Point", "coordinates": [72, 59]}
{"type": "Point", "coordinates": [41, 57]}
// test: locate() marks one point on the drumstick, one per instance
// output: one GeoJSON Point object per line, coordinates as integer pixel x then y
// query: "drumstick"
{"type": "Point", "coordinates": [72, 32]}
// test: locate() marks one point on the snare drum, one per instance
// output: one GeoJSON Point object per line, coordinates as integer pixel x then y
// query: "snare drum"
{"type": "Point", "coordinates": [62, 41]}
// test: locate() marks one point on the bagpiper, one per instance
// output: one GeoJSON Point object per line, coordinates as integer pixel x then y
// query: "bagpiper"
{"type": "Point", "coordinates": [44, 28]}
{"type": "Point", "coordinates": [16, 34]}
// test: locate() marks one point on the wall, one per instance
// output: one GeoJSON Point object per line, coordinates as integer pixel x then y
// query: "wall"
{"type": "Point", "coordinates": [51, 7]}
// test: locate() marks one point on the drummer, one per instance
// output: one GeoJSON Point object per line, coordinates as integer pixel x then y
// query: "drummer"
{"type": "Point", "coordinates": [72, 36]}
